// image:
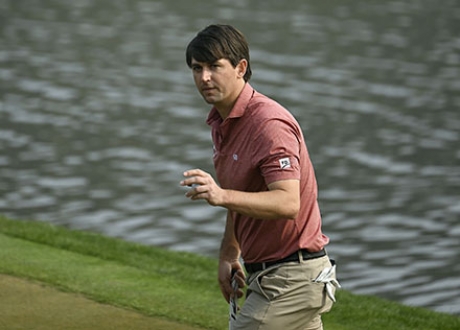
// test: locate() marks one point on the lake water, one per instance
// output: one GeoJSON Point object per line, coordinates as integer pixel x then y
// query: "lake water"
{"type": "Point", "coordinates": [99, 117]}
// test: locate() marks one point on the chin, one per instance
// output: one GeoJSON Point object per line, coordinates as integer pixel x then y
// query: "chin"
{"type": "Point", "coordinates": [210, 100]}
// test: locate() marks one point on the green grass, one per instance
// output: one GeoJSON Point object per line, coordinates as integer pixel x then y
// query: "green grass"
{"type": "Point", "coordinates": [173, 285]}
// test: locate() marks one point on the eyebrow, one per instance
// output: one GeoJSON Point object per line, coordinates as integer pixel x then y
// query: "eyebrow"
{"type": "Point", "coordinates": [199, 64]}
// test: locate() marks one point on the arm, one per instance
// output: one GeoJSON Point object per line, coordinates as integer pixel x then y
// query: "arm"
{"type": "Point", "coordinates": [281, 201]}
{"type": "Point", "coordinates": [228, 260]}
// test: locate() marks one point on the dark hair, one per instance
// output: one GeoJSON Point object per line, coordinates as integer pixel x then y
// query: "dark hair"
{"type": "Point", "coordinates": [216, 42]}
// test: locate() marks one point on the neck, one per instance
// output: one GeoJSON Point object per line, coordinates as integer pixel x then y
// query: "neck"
{"type": "Point", "coordinates": [225, 107]}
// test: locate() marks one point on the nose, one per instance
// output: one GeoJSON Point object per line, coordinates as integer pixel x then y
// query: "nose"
{"type": "Point", "coordinates": [206, 75]}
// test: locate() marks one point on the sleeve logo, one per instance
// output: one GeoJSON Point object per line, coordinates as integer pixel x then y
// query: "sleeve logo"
{"type": "Point", "coordinates": [285, 163]}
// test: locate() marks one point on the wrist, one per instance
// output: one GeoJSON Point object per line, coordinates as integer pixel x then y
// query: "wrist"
{"type": "Point", "coordinates": [226, 198]}
{"type": "Point", "coordinates": [230, 255]}
{"type": "Point", "coordinates": [228, 259]}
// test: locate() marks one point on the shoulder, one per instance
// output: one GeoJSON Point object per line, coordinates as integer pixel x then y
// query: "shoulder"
{"type": "Point", "coordinates": [268, 114]}
{"type": "Point", "coordinates": [266, 108]}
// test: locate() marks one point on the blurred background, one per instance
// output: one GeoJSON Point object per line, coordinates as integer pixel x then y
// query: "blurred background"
{"type": "Point", "coordinates": [99, 117]}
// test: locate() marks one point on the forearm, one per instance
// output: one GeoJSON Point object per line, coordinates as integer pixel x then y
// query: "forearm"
{"type": "Point", "coordinates": [277, 203]}
{"type": "Point", "coordinates": [281, 201]}
{"type": "Point", "coordinates": [229, 249]}
{"type": "Point", "coordinates": [229, 262]}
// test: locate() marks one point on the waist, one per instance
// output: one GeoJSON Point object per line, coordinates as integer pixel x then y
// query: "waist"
{"type": "Point", "coordinates": [295, 257]}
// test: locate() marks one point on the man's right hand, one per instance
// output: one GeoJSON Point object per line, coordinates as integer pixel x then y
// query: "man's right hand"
{"type": "Point", "coordinates": [225, 278]}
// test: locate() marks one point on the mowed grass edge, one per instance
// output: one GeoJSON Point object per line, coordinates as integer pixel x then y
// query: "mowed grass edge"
{"type": "Point", "coordinates": [173, 285]}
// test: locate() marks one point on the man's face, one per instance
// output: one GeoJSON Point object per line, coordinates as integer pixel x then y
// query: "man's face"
{"type": "Point", "coordinates": [219, 82]}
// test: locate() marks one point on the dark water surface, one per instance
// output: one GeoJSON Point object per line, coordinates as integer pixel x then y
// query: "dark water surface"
{"type": "Point", "coordinates": [99, 117]}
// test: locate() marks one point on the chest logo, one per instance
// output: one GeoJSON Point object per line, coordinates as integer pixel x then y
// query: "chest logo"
{"type": "Point", "coordinates": [235, 157]}
{"type": "Point", "coordinates": [285, 163]}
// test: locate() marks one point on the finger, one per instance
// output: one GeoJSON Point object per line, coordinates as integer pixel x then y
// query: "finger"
{"type": "Point", "coordinates": [240, 278]}
{"type": "Point", "coordinates": [241, 282]}
{"type": "Point", "coordinates": [196, 195]}
{"type": "Point", "coordinates": [190, 182]}
{"type": "Point", "coordinates": [240, 293]}
{"type": "Point", "coordinates": [225, 295]}
{"type": "Point", "coordinates": [193, 191]}
{"type": "Point", "coordinates": [226, 291]}
{"type": "Point", "coordinates": [194, 172]}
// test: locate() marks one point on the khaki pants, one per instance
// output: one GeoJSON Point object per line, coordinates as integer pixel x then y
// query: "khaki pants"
{"type": "Point", "coordinates": [284, 297]}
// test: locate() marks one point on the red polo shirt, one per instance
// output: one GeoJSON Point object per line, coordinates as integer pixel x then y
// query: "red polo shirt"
{"type": "Point", "coordinates": [260, 142]}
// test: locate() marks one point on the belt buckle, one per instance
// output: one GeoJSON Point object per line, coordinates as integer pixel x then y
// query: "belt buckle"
{"type": "Point", "coordinates": [264, 265]}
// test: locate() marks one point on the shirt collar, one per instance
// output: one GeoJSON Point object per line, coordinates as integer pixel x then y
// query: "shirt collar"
{"type": "Point", "coordinates": [238, 109]}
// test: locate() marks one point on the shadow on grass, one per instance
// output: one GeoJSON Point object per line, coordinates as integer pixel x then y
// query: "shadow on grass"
{"type": "Point", "coordinates": [28, 305]}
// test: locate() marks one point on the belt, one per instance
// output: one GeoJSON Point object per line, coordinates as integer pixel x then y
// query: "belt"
{"type": "Point", "coordinates": [258, 266]}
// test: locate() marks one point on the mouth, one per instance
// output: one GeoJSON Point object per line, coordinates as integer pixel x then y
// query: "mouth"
{"type": "Point", "coordinates": [207, 89]}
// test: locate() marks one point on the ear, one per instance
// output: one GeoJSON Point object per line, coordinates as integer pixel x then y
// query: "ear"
{"type": "Point", "coordinates": [242, 67]}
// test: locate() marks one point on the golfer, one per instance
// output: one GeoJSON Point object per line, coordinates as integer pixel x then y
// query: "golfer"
{"type": "Point", "coordinates": [267, 184]}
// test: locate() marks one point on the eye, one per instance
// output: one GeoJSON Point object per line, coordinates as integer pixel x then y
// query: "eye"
{"type": "Point", "coordinates": [196, 68]}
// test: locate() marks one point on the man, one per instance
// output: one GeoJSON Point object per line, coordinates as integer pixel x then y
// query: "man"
{"type": "Point", "coordinates": [268, 186]}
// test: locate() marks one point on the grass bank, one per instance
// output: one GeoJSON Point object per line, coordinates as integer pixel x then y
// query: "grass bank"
{"type": "Point", "coordinates": [30, 305]}
{"type": "Point", "coordinates": [181, 287]}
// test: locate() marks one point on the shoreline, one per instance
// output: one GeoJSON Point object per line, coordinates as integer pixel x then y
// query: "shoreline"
{"type": "Point", "coordinates": [172, 286]}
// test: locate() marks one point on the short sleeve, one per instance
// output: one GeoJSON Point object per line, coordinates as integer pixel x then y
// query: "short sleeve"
{"type": "Point", "coordinates": [277, 149]}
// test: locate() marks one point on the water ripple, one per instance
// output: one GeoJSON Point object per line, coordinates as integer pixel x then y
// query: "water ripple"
{"type": "Point", "coordinates": [99, 117]}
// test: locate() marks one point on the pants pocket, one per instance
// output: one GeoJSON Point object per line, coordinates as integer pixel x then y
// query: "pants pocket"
{"type": "Point", "coordinates": [272, 284]}
{"type": "Point", "coordinates": [315, 295]}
